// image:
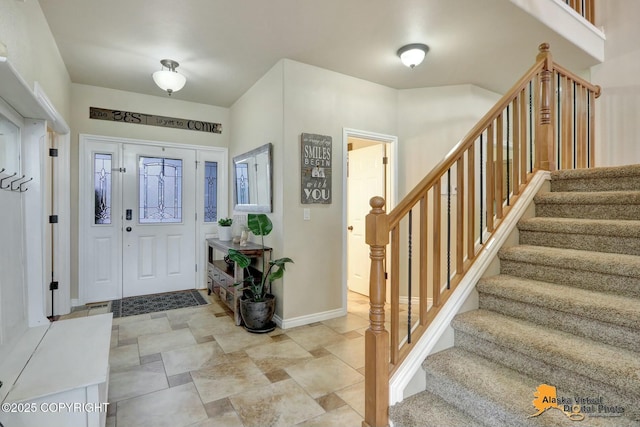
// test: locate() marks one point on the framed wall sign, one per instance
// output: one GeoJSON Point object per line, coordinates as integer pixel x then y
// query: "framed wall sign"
{"type": "Point", "coordinates": [315, 166]}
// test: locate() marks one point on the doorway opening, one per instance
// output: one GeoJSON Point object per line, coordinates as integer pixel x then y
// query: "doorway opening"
{"type": "Point", "coordinates": [370, 170]}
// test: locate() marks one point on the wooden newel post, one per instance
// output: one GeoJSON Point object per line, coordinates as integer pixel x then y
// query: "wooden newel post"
{"type": "Point", "coordinates": [545, 157]}
{"type": "Point", "coordinates": [376, 382]}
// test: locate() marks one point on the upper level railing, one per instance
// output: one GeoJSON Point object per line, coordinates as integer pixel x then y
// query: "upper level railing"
{"type": "Point", "coordinates": [437, 230]}
{"type": "Point", "coordinates": [585, 8]}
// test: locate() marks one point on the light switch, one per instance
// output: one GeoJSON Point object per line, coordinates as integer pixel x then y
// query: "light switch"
{"type": "Point", "coordinates": [306, 214]}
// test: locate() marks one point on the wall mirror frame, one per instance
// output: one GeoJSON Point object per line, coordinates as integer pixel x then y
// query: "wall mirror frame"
{"type": "Point", "coordinates": [253, 180]}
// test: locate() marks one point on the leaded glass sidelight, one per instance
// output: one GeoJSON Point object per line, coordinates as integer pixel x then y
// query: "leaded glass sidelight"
{"type": "Point", "coordinates": [102, 188]}
{"type": "Point", "coordinates": [210, 191]}
{"type": "Point", "coordinates": [160, 185]}
{"type": "Point", "coordinates": [242, 183]}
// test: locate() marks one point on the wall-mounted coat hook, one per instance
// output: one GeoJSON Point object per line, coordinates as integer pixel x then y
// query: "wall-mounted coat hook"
{"type": "Point", "coordinates": [16, 180]}
{"type": "Point", "coordinates": [1, 170]}
{"type": "Point", "coordinates": [7, 177]}
{"type": "Point", "coordinates": [21, 184]}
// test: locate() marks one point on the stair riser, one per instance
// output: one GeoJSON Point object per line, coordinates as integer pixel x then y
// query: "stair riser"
{"type": "Point", "coordinates": [585, 242]}
{"type": "Point", "coordinates": [588, 211]}
{"type": "Point", "coordinates": [539, 368]}
{"type": "Point", "coordinates": [620, 285]}
{"type": "Point", "coordinates": [631, 183]}
{"type": "Point", "coordinates": [598, 330]}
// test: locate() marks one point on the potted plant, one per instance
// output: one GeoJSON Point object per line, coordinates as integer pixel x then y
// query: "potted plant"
{"type": "Point", "coordinates": [257, 305]}
{"type": "Point", "coordinates": [224, 229]}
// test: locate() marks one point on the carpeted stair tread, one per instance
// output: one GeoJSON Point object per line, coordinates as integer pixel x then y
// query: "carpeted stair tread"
{"type": "Point", "coordinates": [428, 410]}
{"type": "Point", "coordinates": [603, 307]}
{"type": "Point", "coordinates": [589, 198]}
{"type": "Point", "coordinates": [607, 364]}
{"type": "Point", "coordinates": [601, 227]}
{"type": "Point", "coordinates": [613, 178]}
{"type": "Point", "coordinates": [602, 235]}
{"type": "Point", "coordinates": [596, 205]}
{"type": "Point", "coordinates": [565, 311]}
{"type": "Point", "coordinates": [614, 264]}
{"type": "Point", "coordinates": [494, 394]}
{"type": "Point", "coordinates": [597, 173]}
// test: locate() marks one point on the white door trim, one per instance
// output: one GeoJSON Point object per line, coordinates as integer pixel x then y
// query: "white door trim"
{"type": "Point", "coordinates": [115, 139]}
{"type": "Point", "coordinates": [222, 195]}
{"type": "Point", "coordinates": [393, 188]}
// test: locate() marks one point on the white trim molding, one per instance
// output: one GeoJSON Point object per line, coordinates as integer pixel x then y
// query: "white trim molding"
{"type": "Point", "coordinates": [392, 183]}
{"type": "Point", "coordinates": [310, 318]}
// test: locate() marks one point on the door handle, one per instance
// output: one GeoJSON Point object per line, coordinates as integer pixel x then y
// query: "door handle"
{"type": "Point", "coordinates": [350, 228]}
{"type": "Point", "coordinates": [128, 229]}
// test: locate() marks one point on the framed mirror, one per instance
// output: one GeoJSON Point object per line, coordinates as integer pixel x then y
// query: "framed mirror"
{"type": "Point", "coordinates": [252, 185]}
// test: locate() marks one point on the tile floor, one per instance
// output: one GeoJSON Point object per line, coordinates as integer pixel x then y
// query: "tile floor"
{"type": "Point", "coordinates": [194, 367]}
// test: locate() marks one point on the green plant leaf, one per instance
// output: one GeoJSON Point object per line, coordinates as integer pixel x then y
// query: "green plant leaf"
{"type": "Point", "coordinates": [279, 269]}
{"type": "Point", "coordinates": [241, 259]}
{"type": "Point", "coordinates": [259, 224]}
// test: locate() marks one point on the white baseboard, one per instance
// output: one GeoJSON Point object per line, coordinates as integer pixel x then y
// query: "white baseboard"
{"type": "Point", "coordinates": [415, 301]}
{"type": "Point", "coordinates": [311, 318]}
{"type": "Point", "coordinates": [75, 302]}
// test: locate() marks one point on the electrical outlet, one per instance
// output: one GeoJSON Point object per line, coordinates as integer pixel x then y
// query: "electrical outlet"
{"type": "Point", "coordinates": [306, 214]}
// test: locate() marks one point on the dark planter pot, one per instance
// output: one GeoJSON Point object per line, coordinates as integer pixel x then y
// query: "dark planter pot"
{"type": "Point", "coordinates": [257, 315]}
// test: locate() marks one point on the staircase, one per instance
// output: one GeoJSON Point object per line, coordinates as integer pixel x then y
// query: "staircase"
{"type": "Point", "coordinates": [565, 311]}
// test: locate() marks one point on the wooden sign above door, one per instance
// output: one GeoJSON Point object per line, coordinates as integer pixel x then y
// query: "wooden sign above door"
{"type": "Point", "coordinates": [152, 120]}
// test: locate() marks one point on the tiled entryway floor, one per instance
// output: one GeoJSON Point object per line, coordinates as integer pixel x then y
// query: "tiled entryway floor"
{"type": "Point", "coordinates": [194, 367]}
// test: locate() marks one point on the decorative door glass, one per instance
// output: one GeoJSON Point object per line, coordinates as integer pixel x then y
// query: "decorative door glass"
{"type": "Point", "coordinates": [160, 186]}
{"type": "Point", "coordinates": [102, 188]}
{"type": "Point", "coordinates": [242, 183]}
{"type": "Point", "coordinates": [210, 191]}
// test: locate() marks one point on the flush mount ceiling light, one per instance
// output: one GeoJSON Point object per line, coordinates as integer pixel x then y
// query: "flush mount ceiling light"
{"type": "Point", "coordinates": [169, 80]}
{"type": "Point", "coordinates": [413, 54]}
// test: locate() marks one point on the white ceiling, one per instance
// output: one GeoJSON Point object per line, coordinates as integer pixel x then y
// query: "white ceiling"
{"type": "Point", "coordinates": [225, 46]}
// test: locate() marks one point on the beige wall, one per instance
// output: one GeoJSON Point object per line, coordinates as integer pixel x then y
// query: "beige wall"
{"type": "Point", "coordinates": [431, 121]}
{"type": "Point", "coordinates": [617, 125]}
{"type": "Point", "coordinates": [323, 102]}
{"type": "Point", "coordinates": [295, 98]}
{"type": "Point", "coordinates": [32, 50]}
{"type": "Point", "coordinates": [257, 119]}
{"type": "Point", "coordinates": [83, 97]}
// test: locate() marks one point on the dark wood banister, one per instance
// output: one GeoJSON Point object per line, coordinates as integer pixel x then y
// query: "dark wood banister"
{"type": "Point", "coordinates": [379, 224]}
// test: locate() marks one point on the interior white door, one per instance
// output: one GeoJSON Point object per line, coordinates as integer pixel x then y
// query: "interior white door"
{"type": "Point", "coordinates": [159, 190]}
{"type": "Point", "coordinates": [366, 179]}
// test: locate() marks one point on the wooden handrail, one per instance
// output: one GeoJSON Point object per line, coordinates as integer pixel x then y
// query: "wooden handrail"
{"type": "Point", "coordinates": [533, 126]}
{"type": "Point", "coordinates": [413, 196]}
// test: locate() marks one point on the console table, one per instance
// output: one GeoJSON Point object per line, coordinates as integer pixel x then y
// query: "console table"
{"type": "Point", "coordinates": [222, 276]}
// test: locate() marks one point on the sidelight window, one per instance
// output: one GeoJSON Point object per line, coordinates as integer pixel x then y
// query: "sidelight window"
{"type": "Point", "coordinates": [102, 188]}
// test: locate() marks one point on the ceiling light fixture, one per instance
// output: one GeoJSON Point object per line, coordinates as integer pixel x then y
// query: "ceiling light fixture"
{"type": "Point", "coordinates": [169, 80]}
{"type": "Point", "coordinates": [413, 54]}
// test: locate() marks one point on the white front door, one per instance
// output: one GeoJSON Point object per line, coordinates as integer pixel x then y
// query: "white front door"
{"type": "Point", "coordinates": [158, 252]}
{"type": "Point", "coordinates": [139, 232]}
{"type": "Point", "coordinates": [366, 179]}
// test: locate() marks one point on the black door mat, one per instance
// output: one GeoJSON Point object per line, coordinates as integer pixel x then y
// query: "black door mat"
{"type": "Point", "coordinates": [143, 304]}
